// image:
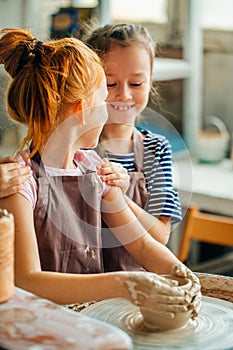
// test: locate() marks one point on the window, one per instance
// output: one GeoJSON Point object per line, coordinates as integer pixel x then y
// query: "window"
{"type": "Point", "coordinates": [216, 14]}
{"type": "Point", "coordinates": [139, 11]}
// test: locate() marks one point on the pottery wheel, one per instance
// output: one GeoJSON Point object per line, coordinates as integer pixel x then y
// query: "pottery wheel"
{"type": "Point", "coordinates": [212, 330]}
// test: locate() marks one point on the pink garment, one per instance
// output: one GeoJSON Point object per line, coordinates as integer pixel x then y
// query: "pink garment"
{"type": "Point", "coordinates": [86, 160]}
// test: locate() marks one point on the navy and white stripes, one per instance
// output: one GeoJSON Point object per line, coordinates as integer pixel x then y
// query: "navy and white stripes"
{"type": "Point", "coordinates": [163, 198]}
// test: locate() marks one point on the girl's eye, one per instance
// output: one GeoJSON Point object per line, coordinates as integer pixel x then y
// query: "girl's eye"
{"type": "Point", "coordinates": [111, 84]}
{"type": "Point", "coordinates": [135, 84]}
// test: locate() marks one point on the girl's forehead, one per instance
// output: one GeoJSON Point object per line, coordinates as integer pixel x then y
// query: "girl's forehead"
{"type": "Point", "coordinates": [126, 53]}
{"type": "Point", "coordinates": [127, 58]}
{"type": "Point", "coordinates": [130, 47]}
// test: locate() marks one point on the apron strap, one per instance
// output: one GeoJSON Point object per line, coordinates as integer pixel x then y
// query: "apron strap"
{"type": "Point", "coordinates": [138, 150]}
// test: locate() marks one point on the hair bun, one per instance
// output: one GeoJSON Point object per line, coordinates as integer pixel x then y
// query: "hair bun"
{"type": "Point", "coordinates": [13, 45]}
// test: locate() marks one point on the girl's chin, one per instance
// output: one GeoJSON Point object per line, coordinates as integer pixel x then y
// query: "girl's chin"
{"type": "Point", "coordinates": [92, 145]}
{"type": "Point", "coordinates": [121, 122]}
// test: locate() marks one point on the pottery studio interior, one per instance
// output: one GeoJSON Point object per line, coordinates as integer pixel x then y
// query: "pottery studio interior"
{"type": "Point", "coordinates": [192, 74]}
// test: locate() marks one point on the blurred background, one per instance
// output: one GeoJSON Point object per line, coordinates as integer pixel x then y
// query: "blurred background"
{"type": "Point", "coordinates": [193, 70]}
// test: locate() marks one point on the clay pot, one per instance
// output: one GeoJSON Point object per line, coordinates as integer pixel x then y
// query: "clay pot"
{"type": "Point", "coordinates": [211, 146]}
{"type": "Point", "coordinates": [155, 321]}
{"type": "Point", "coordinates": [6, 255]}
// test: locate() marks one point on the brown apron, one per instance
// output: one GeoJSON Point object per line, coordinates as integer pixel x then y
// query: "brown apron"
{"type": "Point", "coordinates": [115, 256]}
{"type": "Point", "coordinates": [137, 190]}
{"type": "Point", "coordinates": [68, 229]}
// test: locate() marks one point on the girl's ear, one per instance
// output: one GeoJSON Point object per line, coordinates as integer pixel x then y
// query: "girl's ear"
{"type": "Point", "coordinates": [78, 107]}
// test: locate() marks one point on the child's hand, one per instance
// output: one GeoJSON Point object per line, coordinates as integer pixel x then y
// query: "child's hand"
{"type": "Point", "coordinates": [12, 176]}
{"type": "Point", "coordinates": [147, 289]}
{"type": "Point", "coordinates": [114, 174]}
{"type": "Point", "coordinates": [194, 293]}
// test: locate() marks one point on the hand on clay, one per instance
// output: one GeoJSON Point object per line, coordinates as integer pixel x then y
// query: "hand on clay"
{"type": "Point", "coordinates": [149, 290]}
{"type": "Point", "coordinates": [194, 293]}
{"type": "Point", "coordinates": [114, 174]}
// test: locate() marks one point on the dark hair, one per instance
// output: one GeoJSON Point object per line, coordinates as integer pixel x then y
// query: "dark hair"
{"type": "Point", "coordinates": [102, 38]}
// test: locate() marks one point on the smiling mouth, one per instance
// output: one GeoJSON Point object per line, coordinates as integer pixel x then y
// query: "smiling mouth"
{"type": "Point", "coordinates": [122, 108]}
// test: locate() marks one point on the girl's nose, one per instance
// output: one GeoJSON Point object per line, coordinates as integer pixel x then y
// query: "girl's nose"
{"type": "Point", "coordinates": [124, 92]}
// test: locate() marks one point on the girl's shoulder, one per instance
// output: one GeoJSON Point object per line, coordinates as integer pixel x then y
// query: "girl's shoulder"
{"type": "Point", "coordinates": [30, 188]}
{"type": "Point", "coordinates": [23, 157]}
{"type": "Point", "coordinates": [151, 138]}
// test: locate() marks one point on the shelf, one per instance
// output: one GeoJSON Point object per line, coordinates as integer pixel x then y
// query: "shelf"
{"type": "Point", "coordinates": [170, 69]}
{"type": "Point", "coordinates": [197, 181]}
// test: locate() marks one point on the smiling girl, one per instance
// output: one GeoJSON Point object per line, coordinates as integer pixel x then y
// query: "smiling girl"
{"type": "Point", "coordinates": [127, 52]}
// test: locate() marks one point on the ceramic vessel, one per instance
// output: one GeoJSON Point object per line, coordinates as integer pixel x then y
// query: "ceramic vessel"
{"type": "Point", "coordinates": [6, 255]}
{"type": "Point", "coordinates": [211, 146]}
{"type": "Point", "coordinates": [154, 320]}
{"type": "Point", "coordinates": [212, 143]}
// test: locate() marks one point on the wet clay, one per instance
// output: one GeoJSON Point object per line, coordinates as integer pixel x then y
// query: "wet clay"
{"type": "Point", "coordinates": [162, 320]}
{"type": "Point", "coordinates": [160, 303]}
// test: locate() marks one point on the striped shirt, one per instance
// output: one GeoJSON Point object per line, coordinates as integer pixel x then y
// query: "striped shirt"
{"type": "Point", "coordinates": [163, 199]}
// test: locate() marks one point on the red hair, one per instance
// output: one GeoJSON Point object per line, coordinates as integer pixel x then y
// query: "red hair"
{"type": "Point", "coordinates": [44, 77]}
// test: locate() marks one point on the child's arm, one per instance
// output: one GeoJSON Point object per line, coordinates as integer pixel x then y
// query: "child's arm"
{"type": "Point", "coordinates": [13, 176]}
{"type": "Point", "coordinates": [115, 174]}
{"type": "Point", "coordinates": [159, 228]}
{"type": "Point", "coordinates": [148, 252]}
{"type": "Point", "coordinates": [65, 288]}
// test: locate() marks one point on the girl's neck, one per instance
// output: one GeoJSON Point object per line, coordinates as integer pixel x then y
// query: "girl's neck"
{"type": "Point", "coordinates": [58, 157]}
{"type": "Point", "coordinates": [117, 138]}
{"type": "Point", "coordinates": [117, 131]}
